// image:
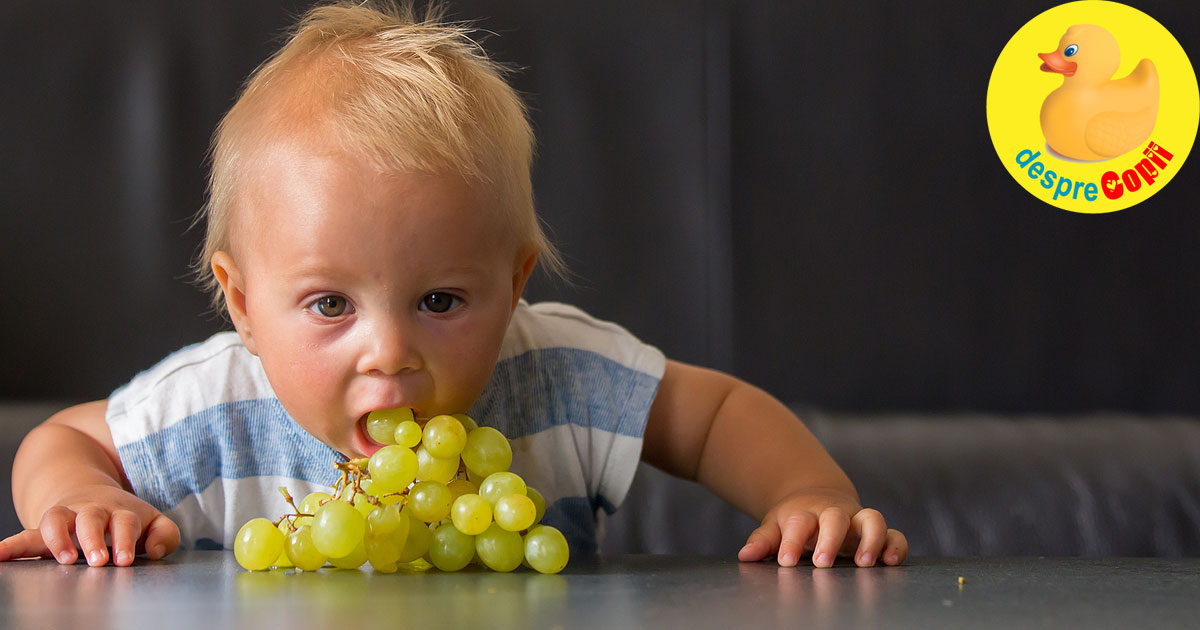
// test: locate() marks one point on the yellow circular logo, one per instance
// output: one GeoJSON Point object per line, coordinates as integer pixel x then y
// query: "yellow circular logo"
{"type": "Point", "coordinates": [1092, 106]}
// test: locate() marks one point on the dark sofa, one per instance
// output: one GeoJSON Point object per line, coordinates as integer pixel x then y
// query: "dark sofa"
{"type": "Point", "coordinates": [802, 194]}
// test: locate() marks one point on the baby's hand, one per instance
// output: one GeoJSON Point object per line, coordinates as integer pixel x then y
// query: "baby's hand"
{"type": "Point", "coordinates": [85, 517]}
{"type": "Point", "coordinates": [827, 523]}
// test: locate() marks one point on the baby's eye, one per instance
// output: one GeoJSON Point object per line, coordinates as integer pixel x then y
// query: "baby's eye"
{"type": "Point", "coordinates": [1071, 50]}
{"type": "Point", "coordinates": [330, 306]}
{"type": "Point", "coordinates": [438, 302]}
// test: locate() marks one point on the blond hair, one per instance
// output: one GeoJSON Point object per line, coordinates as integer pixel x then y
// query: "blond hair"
{"type": "Point", "coordinates": [408, 94]}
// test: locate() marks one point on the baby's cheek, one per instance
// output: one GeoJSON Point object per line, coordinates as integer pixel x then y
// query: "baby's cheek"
{"type": "Point", "coordinates": [305, 383]}
{"type": "Point", "coordinates": [471, 366]}
{"type": "Point", "coordinates": [316, 380]}
{"type": "Point", "coordinates": [314, 401]}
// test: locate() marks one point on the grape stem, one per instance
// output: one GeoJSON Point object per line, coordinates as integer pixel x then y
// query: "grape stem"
{"type": "Point", "coordinates": [287, 497]}
{"type": "Point", "coordinates": [291, 520]}
{"type": "Point", "coordinates": [353, 473]}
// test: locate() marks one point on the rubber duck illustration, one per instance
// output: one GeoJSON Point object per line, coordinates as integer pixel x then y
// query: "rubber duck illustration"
{"type": "Point", "coordinates": [1092, 117]}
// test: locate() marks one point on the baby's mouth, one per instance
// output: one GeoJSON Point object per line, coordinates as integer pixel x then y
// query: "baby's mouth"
{"type": "Point", "coordinates": [365, 444]}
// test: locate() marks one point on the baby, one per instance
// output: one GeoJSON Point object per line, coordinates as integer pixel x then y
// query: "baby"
{"type": "Point", "coordinates": [370, 229]}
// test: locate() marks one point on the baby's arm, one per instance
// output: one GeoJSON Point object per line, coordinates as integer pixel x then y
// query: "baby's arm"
{"type": "Point", "coordinates": [68, 486]}
{"type": "Point", "coordinates": [750, 450]}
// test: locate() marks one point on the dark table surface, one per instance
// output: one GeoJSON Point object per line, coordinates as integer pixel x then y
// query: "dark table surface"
{"type": "Point", "coordinates": [208, 590]}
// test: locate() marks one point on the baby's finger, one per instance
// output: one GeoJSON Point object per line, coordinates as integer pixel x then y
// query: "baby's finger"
{"type": "Point", "coordinates": [27, 544]}
{"type": "Point", "coordinates": [124, 528]}
{"type": "Point", "coordinates": [797, 528]}
{"type": "Point", "coordinates": [833, 526]}
{"type": "Point", "coordinates": [55, 528]}
{"type": "Point", "coordinates": [162, 537]}
{"type": "Point", "coordinates": [897, 548]}
{"type": "Point", "coordinates": [761, 543]}
{"type": "Point", "coordinates": [90, 524]}
{"type": "Point", "coordinates": [872, 534]}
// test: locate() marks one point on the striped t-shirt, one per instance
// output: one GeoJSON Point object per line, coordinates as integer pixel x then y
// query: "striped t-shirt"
{"type": "Point", "coordinates": [203, 438]}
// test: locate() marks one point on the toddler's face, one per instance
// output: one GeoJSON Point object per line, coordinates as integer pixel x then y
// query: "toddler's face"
{"type": "Point", "coordinates": [362, 291]}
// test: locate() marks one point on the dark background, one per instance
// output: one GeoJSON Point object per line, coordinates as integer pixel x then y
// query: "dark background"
{"type": "Point", "coordinates": [801, 193]}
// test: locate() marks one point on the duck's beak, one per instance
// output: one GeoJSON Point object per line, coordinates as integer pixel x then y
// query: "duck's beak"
{"type": "Point", "coordinates": [1055, 62]}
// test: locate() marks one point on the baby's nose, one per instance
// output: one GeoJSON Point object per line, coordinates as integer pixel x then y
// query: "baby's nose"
{"type": "Point", "coordinates": [389, 350]}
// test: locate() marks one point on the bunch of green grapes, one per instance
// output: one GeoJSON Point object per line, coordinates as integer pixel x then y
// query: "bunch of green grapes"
{"type": "Point", "coordinates": [438, 493]}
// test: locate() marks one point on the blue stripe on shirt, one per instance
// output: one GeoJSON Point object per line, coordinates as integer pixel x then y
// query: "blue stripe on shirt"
{"type": "Point", "coordinates": [247, 438]}
{"type": "Point", "coordinates": [519, 405]}
{"type": "Point", "coordinates": [258, 438]}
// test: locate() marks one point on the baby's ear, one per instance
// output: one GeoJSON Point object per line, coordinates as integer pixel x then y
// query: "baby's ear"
{"type": "Point", "coordinates": [526, 260]}
{"type": "Point", "coordinates": [230, 279]}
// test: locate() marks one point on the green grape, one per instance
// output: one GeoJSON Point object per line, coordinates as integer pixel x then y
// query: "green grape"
{"type": "Point", "coordinates": [384, 519]}
{"type": "Point", "coordinates": [366, 486]}
{"type": "Point", "coordinates": [352, 560]}
{"type": "Point", "coordinates": [459, 487]}
{"type": "Point", "coordinates": [546, 549]}
{"type": "Point", "coordinates": [400, 536]}
{"type": "Point", "coordinates": [387, 534]}
{"type": "Point", "coordinates": [363, 504]}
{"type": "Point", "coordinates": [515, 512]}
{"type": "Point", "coordinates": [283, 562]}
{"type": "Point", "coordinates": [430, 468]}
{"type": "Point", "coordinates": [471, 514]}
{"type": "Point", "coordinates": [381, 428]}
{"type": "Point", "coordinates": [383, 568]}
{"type": "Point", "coordinates": [382, 553]}
{"type": "Point", "coordinates": [258, 544]}
{"type": "Point", "coordinates": [313, 501]}
{"type": "Point", "coordinates": [468, 423]}
{"type": "Point", "coordinates": [429, 500]}
{"type": "Point", "coordinates": [450, 549]}
{"type": "Point", "coordinates": [539, 502]}
{"type": "Point", "coordinates": [501, 484]}
{"type": "Point", "coordinates": [407, 434]}
{"type": "Point", "coordinates": [444, 436]}
{"type": "Point", "coordinates": [337, 528]}
{"type": "Point", "coordinates": [301, 550]}
{"type": "Point", "coordinates": [392, 468]}
{"type": "Point", "coordinates": [487, 451]}
{"type": "Point", "coordinates": [381, 425]}
{"type": "Point", "coordinates": [302, 520]}
{"type": "Point", "coordinates": [499, 549]}
{"type": "Point", "coordinates": [417, 542]}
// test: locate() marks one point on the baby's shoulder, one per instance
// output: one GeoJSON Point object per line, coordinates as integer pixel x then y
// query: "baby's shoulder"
{"type": "Point", "coordinates": [203, 375]}
{"type": "Point", "coordinates": [557, 328]}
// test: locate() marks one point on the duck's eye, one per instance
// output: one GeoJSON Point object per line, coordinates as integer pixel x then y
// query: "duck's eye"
{"type": "Point", "coordinates": [1071, 50]}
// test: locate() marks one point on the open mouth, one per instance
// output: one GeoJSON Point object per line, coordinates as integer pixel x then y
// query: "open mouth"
{"type": "Point", "coordinates": [363, 440]}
